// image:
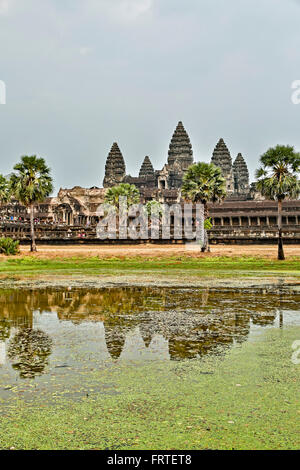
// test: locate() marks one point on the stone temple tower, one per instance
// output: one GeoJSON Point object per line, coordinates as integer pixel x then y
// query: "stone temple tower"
{"type": "Point", "coordinates": [222, 158]}
{"type": "Point", "coordinates": [180, 148]}
{"type": "Point", "coordinates": [115, 169]}
{"type": "Point", "coordinates": [241, 175]}
{"type": "Point", "coordinates": [147, 169]}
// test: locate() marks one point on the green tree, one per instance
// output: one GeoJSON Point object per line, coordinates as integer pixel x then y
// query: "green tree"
{"type": "Point", "coordinates": [154, 208]}
{"type": "Point", "coordinates": [203, 183]}
{"type": "Point", "coordinates": [4, 190]}
{"type": "Point", "coordinates": [127, 190]}
{"type": "Point", "coordinates": [31, 183]}
{"type": "Point", "coordinates": [277, 180]}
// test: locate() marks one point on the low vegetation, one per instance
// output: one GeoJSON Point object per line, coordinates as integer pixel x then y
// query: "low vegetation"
{"type": "Point", "coordinates": [8, 246]}
{"type": "Point", "coordinates": [163, 267]}
{"type": "Point", "coordinates": [248, 399]}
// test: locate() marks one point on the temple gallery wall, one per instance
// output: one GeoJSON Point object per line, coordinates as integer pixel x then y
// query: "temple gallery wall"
{"type": "Point", "coordinates": [244, 217]}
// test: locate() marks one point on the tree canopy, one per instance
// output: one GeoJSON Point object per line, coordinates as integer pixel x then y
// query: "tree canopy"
{"type": "Point", "coordinates": [31, 181]}
{"type": "Point", "coordinates": [122, 190]}
{"type": "Point", "coordinates": [277, 177]}
{"type": "Point", "coordinates": [203, 182]}
{"type": "Point", "coordinates": [4, 190]}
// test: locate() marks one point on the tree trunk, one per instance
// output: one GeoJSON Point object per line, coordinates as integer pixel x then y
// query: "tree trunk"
{"type": "Point", "coordinates": [32, 234]}
{"type": "Point", "coordinates": [206, 241]}
{"type": "Point", "coordinates": [280, 244]}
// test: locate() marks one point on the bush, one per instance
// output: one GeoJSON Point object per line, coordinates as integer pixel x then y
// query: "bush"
{"type": "Point", "coordinates": [208, 224]}
{"type": "Point", "coordinates": [8, 246]}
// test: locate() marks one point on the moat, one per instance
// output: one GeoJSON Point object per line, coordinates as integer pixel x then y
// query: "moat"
{"type": "Point", "coordinates": [58, 340]}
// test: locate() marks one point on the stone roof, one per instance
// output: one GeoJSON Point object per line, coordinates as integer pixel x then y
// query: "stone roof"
{"type": "Point", "coordinates": [222, 158]}
{"type": "Point", "coordinates": [146, 168]}
{"type": "Point", "coordinates": [227, 205]}
{"type": "Point", "coordinates": [241, 175]}
{"type": "Point", "coordinates": [115, 168]}
{"type": "Point", "coordinates": [180, 148]}
{"type": "Point", "coordinates": [240, 167]}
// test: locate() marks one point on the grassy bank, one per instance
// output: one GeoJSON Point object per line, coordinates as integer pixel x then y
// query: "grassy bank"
{"type": "Point", "coordinates": [247, 400]}
{"type": "Point", "coordinates": [202, 266]}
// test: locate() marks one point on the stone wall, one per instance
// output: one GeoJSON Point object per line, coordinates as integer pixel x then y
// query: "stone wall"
{"type": "Point", "coordinates": [243, 222]}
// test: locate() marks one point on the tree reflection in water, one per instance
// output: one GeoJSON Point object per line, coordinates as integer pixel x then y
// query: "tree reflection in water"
{"type": "Point", "coordinates": [4, 329]}
{"type": "Point", "coordinates": [29, 350]}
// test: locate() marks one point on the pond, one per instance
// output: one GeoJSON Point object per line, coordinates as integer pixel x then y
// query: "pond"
{"type": "Point", "coordinates": [55, 339]}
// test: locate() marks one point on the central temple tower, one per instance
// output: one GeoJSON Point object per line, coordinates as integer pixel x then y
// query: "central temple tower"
{"type": "Point", "coordinates": [222, 158]}
{"type": "Point", "coordinates": [180, 148]}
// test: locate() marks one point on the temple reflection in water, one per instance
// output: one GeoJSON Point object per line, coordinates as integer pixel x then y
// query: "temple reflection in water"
{"type": "Point", "coordinates": [173, 323]}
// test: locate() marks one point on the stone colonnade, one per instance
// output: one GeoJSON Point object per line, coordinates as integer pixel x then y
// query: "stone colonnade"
{"type": "Point", "coordinates": [250, 221]}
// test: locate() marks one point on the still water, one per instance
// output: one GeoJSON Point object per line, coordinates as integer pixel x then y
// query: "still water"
{"type": "Point", "coordinates": [52, 337]}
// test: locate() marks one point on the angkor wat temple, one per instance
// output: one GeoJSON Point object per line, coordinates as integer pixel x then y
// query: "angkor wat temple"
{"type": "Point", "coordinates": [165, 184]}
{"type": "Point", "coordinates": [244, 217]}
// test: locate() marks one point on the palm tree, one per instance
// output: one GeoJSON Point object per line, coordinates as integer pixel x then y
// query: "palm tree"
{"type": "Point", "coordinates": [30, 184]}
{"type": "Point", "coordinates": [5, 193]}
{"type": "Point", "coordinates": [4, 190]}
{"type": "Point", "coordinates": [203, 182]}
{"type": "Point", "coordinates": [277, 180]}
{"type": "Point", "coordinates": [122, 190]}
{"type": "Point", "coordinates": [154, 208]}
{"type": "Point", "coordinates": [112, 197]}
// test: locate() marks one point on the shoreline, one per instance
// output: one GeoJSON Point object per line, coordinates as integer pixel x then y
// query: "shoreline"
{"type": "Point", "coordinates": [275, 282]}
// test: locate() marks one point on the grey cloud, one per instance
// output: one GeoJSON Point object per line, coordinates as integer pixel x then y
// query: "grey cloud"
{"type": "Point", "coordinates": [81, 75]}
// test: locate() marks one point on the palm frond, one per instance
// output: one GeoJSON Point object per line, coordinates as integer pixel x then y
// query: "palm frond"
{"type": "Point", "coordinates": [203, 182]}
{"type": "Point", "coordinates": [31, 180]}
{"type": "Point", "coordinates": [277, 179]}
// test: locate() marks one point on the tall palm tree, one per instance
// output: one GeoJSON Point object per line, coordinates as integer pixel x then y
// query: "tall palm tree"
{"type": "Point", "coordinates": [31, 183]}
{"type": "Point", "coordinates": [113, 195]}
{"type": "Point", "coordinates": [277, 180]}
{"type": "Point", "coordinates": [4, 190]}
{"type": "Point", "coordinates": [203, 182]}
{"type": "Point", "coordinates": [122, 190]}
{"type": "Point", "coordinates": [154, 208]}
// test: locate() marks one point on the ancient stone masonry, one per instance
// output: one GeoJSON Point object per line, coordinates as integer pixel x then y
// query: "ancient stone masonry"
{"type": "Point", "coordinates": [115, 169]}
{"type": "Point", "coordinates": [146, 169]}
{"type": "Point", "coordinates": [180, 157]}
{"type": "Point", "coordinates": [180, 149]}
{"type": "Point", "coordinates": [241, 175]}
{"type": "Point", "coordinates": [222, 158]}
{"type": "Point", "coordinates": [244, 216]}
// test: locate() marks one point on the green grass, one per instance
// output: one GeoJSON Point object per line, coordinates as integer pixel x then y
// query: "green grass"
{"type": "Point", "coordinates": [248, 400]}
{"type": "Point", "coordinates": [177, 265]}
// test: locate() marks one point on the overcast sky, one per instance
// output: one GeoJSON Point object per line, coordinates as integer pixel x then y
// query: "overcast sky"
{"type": "Point", "coordinates": [81, 74]}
